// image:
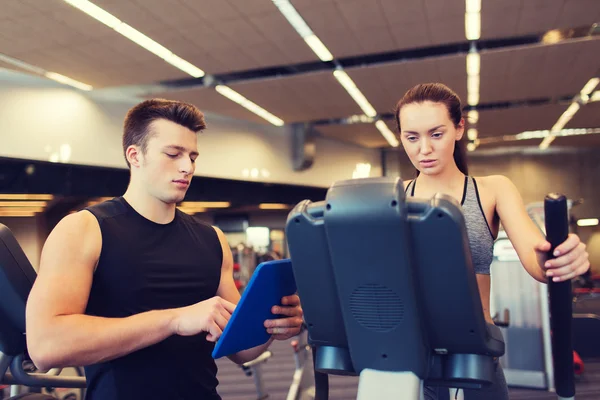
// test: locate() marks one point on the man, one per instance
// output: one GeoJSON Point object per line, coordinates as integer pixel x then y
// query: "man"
{"type": "Point", "coordinates": [136, 290]}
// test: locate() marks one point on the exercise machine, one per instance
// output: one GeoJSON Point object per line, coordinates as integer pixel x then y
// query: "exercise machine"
{"type": "Point", "coordinates": [253, 368]}
{"type": "Point", "coordinates": [303, 382]}
{"type": "Point", "coordinates": [389, 292]}
{"type": "Point", "coordinates": [16, 279]}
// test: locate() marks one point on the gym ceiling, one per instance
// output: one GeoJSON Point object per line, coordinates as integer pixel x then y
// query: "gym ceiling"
{"type": "Point", "coordinates": [523, 68]}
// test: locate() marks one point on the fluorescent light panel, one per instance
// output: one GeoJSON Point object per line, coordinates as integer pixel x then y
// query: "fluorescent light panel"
{"type": "Point", "coordinates": [353, 91]}
{"type": "Point", "coordinates": [16, 213]}
{"type": "Point", "coordinates": [587, 222]}
{"type": "Point", "coordinates": [40, 71]}
{"type": "Point", "coordinates": [473, 63]}
{"type": "Point", "coordinates": [387, 133]}
{"type": "Point", "coordinates": [472, 133]}
{"type": "Point", "coordinates": [547, 141]}
{"type": "Point", "coordinates": [273, 206]}
{"type": "Point", "coordinates": [289, 12]}
{"type": "Point", "coordinates": [473, 116]}
{"type": "Point", "coordinates": [135, 36]}
{"type": "Point", "coordinates": [244, 102]}
{"type": "Point", "coordinates": [590, 86]}
{"type": "Point", "coordinates": [473, 26]}
{"type": "Point", "coordinates": [473, 6]}
{"type": "Point", "coordinates": [205, 204]}
{"type": "Point", "coordinates": [11, 204]}
{"type": "Point", "coordinates": [26, 197]}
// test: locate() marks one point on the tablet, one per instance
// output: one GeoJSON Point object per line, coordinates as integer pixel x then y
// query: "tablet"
{"type": "Point", "coordinates": [270, 282]}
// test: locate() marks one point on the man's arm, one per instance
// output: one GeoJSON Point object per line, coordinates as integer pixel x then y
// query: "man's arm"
{"type": "Point", "coordinates": [58, 332]}
{"type": "Point", "coordinates": [280, 329]}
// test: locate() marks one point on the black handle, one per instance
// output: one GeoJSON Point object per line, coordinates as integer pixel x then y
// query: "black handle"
{"type": "Point", "coordinates": [561, 312]}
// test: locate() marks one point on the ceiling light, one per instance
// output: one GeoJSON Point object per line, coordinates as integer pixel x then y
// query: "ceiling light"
{"type": "Point", "coordinates": [40, 71]}
{"type": "Point", "coordinates": [26, 197]}
{"type": "Point", "coordinates": [473, 116]}
{"type": "Point", "coordinates": [547, 141]}
{"type": "Point", "coordinates": [318, 47]}
{"type": "Point", "coordinates": [387, 133]}
{"type": "Point", "coordinates": [473, 26]}
{"type": "Point", "coordinates": [473, 6]}
{"type": "Point", "coordinates": [273, 206]}
{"type": "Point", "coordinates": [473, 83]}
{"type": "Point", "coordinates": [135, 36]}
{"type": "Point", "coordinates": [472, 133]}
{"type": "Point", "coordinates": [570, 112]}
{"type": "Point", "coordinates": [473, 63]}
{"type": "Point", "coordinates": [16, 213]}
{"type": "Point", "coordinates": [353, 91]}
{"type": "Point", "coordinates": [473, 98]}
{"type": "Point", "coordinates": [595, 96]}
{"type": "Point", "coordinates": [553, 36]}
{"type": "Point", "coordinates": [244, 102]}
{"type": "Point", "coordinates": [590, 86]}
{"type": "Point", "coordinates": [289, 12]}
{"type": "Point", "coordinates": [23, 204]}
{"type": "Point", "coordinates": [205, 204]}
{"type": "Point", "coordinates": [587, 222]}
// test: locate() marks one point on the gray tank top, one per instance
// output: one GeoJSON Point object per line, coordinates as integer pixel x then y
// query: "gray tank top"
{"type": "Point", "coordinates": [481, 238]}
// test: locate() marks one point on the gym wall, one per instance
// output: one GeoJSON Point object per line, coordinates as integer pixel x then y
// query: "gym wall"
{"type": "Point", "coordinates": [29, 235]}
{"type": "Point", "coordinates": [41, 120]}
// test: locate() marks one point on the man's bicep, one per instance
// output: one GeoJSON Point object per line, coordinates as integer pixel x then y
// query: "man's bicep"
{"type": "Point", "coordinates": [66, 269]}
{"type": "Point", "coordinates": [227, 289]}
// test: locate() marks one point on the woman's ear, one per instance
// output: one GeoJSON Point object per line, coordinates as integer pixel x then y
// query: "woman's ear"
{"type": "Point", "coordinates": [460, 130]}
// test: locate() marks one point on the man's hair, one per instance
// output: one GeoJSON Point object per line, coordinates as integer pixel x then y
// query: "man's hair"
{"type": "Point", "coordinates": [137, 130]}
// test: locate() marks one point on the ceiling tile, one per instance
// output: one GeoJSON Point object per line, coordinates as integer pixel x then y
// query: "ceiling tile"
{"type": "Point", "coordinates": [579, 12]}
{"type": "Point", "coordinates": [361, 14]}
{"type": "Point", "coordinates": [208, 100]}
{"type": "Point", "coordinates": [250, 8]}
{"type": "Point", "coordinates": [365, 135]}
{"type": "Point", "coordinates": [588, 116]}
{"type": "Point", "coordinates": [449, 29]}
{"type": "Point", "coordinates": [494, 27]}
{"type": "Point", "coordinates": [403, 12]}
{"type": "Point", "coordinates": [377, 40]}
{"type": "Point", "coordinates": [309, 97]}
{"type": "Point", "coordinates": [511, 121]}
{"type": "Point", "coordinates": [441, 9]}
{"type": "Point", "coordinates": [411, 36]}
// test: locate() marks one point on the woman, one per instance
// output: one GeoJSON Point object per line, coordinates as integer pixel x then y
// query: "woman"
{"type": "Point", "coordinates": [429, 119]}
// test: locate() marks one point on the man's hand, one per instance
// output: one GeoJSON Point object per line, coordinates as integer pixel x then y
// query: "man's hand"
{"type": "Point", "coordinates": [571, 259]}
{"type": "Point", "coordinates": [285, 328]}
{"type": "Point", "coordinates": [207, 316]}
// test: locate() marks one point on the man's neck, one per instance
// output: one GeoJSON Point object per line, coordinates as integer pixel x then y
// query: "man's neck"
{"type": "Point", "coordinates": [149, 206]}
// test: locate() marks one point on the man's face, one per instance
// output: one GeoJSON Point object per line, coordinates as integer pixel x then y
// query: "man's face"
{"type": "Point", "coordinates": [167, 167]}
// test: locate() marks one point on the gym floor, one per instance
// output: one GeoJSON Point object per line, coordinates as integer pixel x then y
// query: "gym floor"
{"type": "Point", "coordinates": [278, 371]}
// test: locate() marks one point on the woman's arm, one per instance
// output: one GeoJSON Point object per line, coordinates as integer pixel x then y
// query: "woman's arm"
{"type": "Point", "coordinates": [529, 242]}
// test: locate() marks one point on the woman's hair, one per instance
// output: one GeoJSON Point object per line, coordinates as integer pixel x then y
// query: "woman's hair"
{"type": "Point", "coordinates": [438, 93]}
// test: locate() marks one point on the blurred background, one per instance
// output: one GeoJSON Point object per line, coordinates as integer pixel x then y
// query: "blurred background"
{"type": "Point", "coordinates": [297, 95]}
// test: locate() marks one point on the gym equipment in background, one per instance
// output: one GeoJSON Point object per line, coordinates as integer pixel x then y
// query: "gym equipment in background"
{"type": "Point", "coordinates": [16, 279]}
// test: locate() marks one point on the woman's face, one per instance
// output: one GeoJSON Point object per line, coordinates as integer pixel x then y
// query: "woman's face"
{"type": "Point", "coordinates": [428, 135]}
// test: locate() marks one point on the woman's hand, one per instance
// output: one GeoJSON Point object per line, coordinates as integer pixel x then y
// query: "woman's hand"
{"type": "Point", "coordinates": [571, 259]}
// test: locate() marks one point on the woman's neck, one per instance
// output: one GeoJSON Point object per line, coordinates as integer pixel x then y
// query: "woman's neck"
{"type": "Point", "coordinates": [447, 180]}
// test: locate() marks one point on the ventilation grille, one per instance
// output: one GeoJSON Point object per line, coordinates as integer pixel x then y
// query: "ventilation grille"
{"type": "Point", "coordinates": [376, 307]}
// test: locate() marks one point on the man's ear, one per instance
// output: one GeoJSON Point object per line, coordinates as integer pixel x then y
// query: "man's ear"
{"type": "Point", "coordinates": [133, 154]}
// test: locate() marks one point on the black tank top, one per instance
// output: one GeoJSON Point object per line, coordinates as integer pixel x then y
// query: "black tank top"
{"type": "Point", "coordinates": [147, 266]}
